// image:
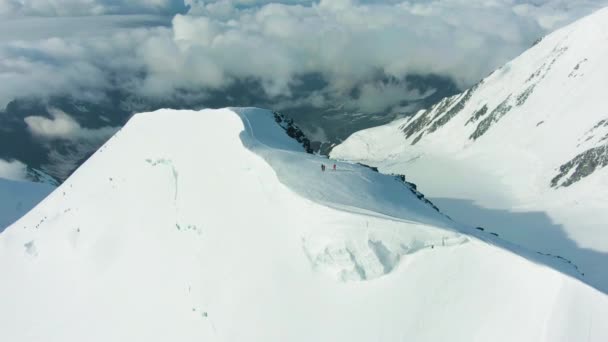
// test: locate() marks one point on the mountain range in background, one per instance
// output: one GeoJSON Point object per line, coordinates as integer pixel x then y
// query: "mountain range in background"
{"type": "Point", "coordinates": [62, 132]}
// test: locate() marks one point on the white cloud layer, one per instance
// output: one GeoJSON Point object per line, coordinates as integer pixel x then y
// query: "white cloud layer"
{"type": "Point", "coordinates": [349, 42]}
{"type": "Point", "coordinates": [51, 8]}
{"type": "Point", "coordinates": [13, 170]}
{"type": "Point", "coordinates": [62, 126]}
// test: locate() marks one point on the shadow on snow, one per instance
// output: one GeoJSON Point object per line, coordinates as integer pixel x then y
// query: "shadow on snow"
{"type": "Point", "coordinates": [545, 241]}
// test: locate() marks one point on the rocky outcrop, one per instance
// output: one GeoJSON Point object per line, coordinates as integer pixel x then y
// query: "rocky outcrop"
{"type": "Point", "coordinates": [484, 125]}
{"type": "Point", "coordinates": [293, 131]}
{"type": "Point", "coordinates": [478, 114]}
{"type": "Point", "coordinates": [410, 186]}
{"type": "Point", "coordinates": [581, 166]}
{"type": "Point", "coordinates": [438, 115]}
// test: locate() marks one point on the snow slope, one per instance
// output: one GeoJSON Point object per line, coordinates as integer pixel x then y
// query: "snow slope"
{"type": "Point", "coordinates": [523, 153]}
{"type": "Point", "coordinates": [18, 197]}
{"type": "Point", "coordinates": [216, 226]}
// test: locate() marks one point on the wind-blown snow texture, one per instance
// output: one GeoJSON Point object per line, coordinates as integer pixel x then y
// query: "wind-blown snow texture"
{"type": "Point", "coordinates": [523, 153]}
{"type": "Point", "coordinates": [177, 230]}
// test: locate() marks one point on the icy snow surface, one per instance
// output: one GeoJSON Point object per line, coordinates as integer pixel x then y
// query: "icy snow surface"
{"type": "Point", "coordinates": [216, 226]}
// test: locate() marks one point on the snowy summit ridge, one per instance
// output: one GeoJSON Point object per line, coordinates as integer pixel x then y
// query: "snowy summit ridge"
{"type": "Point", "coordinates": [217, 226]}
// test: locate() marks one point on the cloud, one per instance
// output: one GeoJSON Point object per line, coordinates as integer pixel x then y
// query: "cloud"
{"type": "Point", "coordinates": [210, 45]}
{"type": "Point", "coordinates": [13, 170]}
{"type": "Point", "coordinates": [346, 41]}
{"type": "Point", "coordinates": [62, 126]}
{"type": "Point", "coordinates": [84, 67]}
{"type": "Point", "coordinates": [50, 8]}
{"type": "Point", "coordinates": [377, 97]}
{"type": "Point", "coordinates": [345, 61]}
{"type": "Point", "coordinates": [37, 28]}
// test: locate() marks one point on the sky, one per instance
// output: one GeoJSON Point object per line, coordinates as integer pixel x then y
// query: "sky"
{"type": "Point", "coordinates": [156, 47]}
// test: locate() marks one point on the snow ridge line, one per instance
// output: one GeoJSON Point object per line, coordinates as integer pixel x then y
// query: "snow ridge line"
{"type": "Point", "coordinates": [345, 208]}
{"type": "Point", "coordinates": [559, 264]}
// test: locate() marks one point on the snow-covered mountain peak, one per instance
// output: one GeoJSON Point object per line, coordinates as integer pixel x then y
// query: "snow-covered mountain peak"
{"type": "Point", "coordinates": [523, 152]}
{"type": "Point", "coordinates": [557, 88]}
{"type": "Point", "coordinates": [217, 226]}
{"type": "Point", "coordinates": [183, 161]}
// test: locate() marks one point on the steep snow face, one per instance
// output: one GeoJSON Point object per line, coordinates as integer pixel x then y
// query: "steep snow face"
{"type": "Point", "coordinates": [523, 153]}
{"type": "Point", "coordinates": [216, 226]}
{"type": "Point", "coordinates": [18, 197]}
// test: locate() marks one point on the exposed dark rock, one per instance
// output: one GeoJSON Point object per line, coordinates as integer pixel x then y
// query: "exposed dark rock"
{"type": "Point", "coordinates": [544, 69]}
{"type": "Point", "coordinates": [478, 114]}
{"type": "Point", "coordinates": [442, 106]}
{"type": "Point", "coordinates": [558, 52]}
{"type": "Point", "coordinates": [457, 108]}
{"type": "Point", "coordinates": [590, 133]}
{"type": "Point", "coordinates": [293, 131]}
{"type": "Point", "coordinates": [411, 186]}
{"type": "Point", "coordinates": [536, 73]}
{"type": "Point", "coordinates": [601, 123]}
{"type": "Point", "coordinates": [494, 117]}
{"type": "Point", "coordinates": [581, 166]}
{"type": "Point", "coordinates": [576, 68]}
{"type": "Point", "coordinates": [417, 139]}
{"type": "Point", "coordinates": [523, 97]}
{"type": "Point", "coordinates": [421, 197]}
{"type": "Point", "coordinates": [561, 258]}
{"type": "Point", "coordinates": [444, 111]}
{"type": "Point", "coordinates": [418, 124]}
{"type": "Point", "coordinates": [424, 119]}
{"type": "Point", "coordinates": [373, 168]}
{"type": "Point", "coordinates": [414, 189]}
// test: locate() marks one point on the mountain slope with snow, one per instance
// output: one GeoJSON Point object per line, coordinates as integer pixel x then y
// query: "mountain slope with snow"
{"type": "Point", "coordinates": [522, 153]}
{"type": "Point", "coordinates": [217, 226]}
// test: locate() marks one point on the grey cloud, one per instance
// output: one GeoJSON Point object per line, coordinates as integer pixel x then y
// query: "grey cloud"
{"type": "Point", "coordinates": [345, 42]}
{"type": "Point", "coordinates": [83, 67]}
{"type": "Point", "coordinates": [349, 42]}
{"type": "Point", "coordinates": [379, 96]}
{"type": "Point", "coordinates": [65, 140]}
{"type": "Point", "coordinates": [342, 65]}
{"type": "Point", "coordinates": [63, 126]}
{"type": "Point", "coordinates": [36, 28]}
{"type": "Point", "coordinates": [51, 8]}
{"type": "Point", "coordinates": [13, 170]}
